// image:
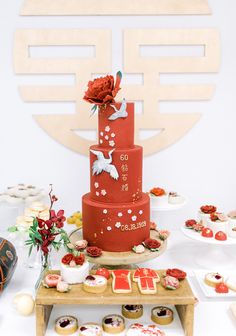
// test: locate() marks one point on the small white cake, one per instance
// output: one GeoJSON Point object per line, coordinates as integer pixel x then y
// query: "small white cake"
{"type": "Point", "coordinates": [158, 197]}
{"type": "Point", "coordinates": [204, 213]}
{"type": "Point", "coordinates": [218, 222]}
{"type": "Point", "coordinates": [76, 274]}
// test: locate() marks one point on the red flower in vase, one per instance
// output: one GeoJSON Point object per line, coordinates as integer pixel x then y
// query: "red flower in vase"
{"type": "Point", "coordinates": [103, 90]}
{"type": "Point", "coordinates": [57, 218]}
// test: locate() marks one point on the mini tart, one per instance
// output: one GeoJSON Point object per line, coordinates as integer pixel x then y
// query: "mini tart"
{"type": "Point", "coordinates": [113, 324]}
{"type": "Point", "coordinates": [175, 198]}
{"type": "Point", "coordinates": [212, 279]}
{"type": "Point", "coordinates": [162, 315]}
{"type": "Point", "coordinates": [66, 325]}
{"type": "Point", "coordinates": [90, 329]}
{"type": "Point", "coordinates": [231, 282]}
{"type": "Point", "coordinates": [95, 284]}
{"type": "Point", "coordinates": [132, 311]}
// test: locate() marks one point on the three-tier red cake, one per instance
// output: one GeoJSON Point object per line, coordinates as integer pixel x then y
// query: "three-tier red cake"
{"type": "Point", "coordinates": [116, 213]}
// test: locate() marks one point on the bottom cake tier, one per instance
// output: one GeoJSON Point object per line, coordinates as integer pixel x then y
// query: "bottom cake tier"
{"type": "Point", "coordinates": [116, 227]}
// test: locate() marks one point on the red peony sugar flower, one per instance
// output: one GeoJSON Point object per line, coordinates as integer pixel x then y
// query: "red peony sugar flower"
{"type": "Point", "coordinates": [190, 223]}
{"type": "Point", "coordinates": [157, 191]}
{"type": "Point", "coordinates": [103, 90]}
{"type": "Point", "coordinates": [151, 244]}
{"type": "Point", "coordinates": [208, 209]}
{"type": "Point", "coordinates": [79, 260]}
{"type": "Point", "coordinates": [94, 251]}
{"type": "Point", "coordinates": [67, 258]}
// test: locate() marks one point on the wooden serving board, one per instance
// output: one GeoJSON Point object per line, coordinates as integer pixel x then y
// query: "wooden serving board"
{"type": "Point", "coordinates": [182, 298]}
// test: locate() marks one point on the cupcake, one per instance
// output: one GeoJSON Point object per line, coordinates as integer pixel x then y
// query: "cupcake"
{"type": "Point", "coordinates": [162, 315]}
{"type": "Point", "coordinates": [132, 311]}
{"type": "Point", "coordinates": [175, 198]}
{"type": "Point", "coordinates": [204, 213]}
{"type": "Point", "coordinates": [218, 222]}
{"type": "Point", "coordinates": [113, 324]}
{"type": "Point", "coordinates": [66, 325]}
{"type": "Point", "coordinates": [232, 224]}
{"type": "Point", "coordinates": [74, 269]}
{"type": "Point", "coordinates": [158, 197]}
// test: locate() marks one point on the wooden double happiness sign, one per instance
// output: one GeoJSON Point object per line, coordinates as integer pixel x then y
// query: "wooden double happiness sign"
{"type": "Point", "coordinates": [161, 129]}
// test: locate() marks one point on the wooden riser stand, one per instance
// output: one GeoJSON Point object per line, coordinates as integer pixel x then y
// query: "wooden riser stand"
{"type": "Point", "coordinates": [182, 298]}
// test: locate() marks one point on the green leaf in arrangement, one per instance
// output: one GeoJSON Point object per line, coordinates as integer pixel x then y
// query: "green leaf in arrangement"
{"type": "Point", "coordinates": [30, 249]}
{"type": "Point", "coordinates": [93, 110]}
{"type": "Point", "coordinates": [12, 229]}
{"type": "Point", "coordinates": [119, 73]}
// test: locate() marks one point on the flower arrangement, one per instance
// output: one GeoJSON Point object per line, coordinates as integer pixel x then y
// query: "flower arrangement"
{"type": "Point", "coordinates": [208, 209]}
{"type": "Point", "coordinates": [157, 192]}
{"type": "Point", "coordinates": [102, 91]}
{"type": "Point", "coordinates": [45, 234]}
{"type": "Point", "coordinates": [218, 217]}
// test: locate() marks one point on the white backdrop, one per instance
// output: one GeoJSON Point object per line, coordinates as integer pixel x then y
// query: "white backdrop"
{"type": "Point", "coordinates": [201, 165]}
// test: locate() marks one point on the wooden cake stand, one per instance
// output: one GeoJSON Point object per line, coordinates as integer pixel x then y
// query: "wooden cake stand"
{"type": "Point", "coordinates": [182, 298]}
{"type": "Point", "coordinates": [124, 259]}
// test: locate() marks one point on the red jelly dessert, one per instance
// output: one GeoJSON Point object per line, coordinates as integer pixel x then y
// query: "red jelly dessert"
{"type": "Point", "coordinates": [222, 288]}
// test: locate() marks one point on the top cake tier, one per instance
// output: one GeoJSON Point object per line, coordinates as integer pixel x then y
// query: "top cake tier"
{"type": "Point", "coordinates": [115, 130]}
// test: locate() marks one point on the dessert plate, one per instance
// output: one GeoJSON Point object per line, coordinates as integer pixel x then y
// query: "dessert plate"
{"type": "Point", "coordinates": [169, 206]}
{"type": "Point", "coordinates": [210, 291]}
{"type": "Point", "coordinates": [197, 236]}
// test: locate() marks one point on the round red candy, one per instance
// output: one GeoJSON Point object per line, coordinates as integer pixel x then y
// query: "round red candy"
{"type": "Point", "coordinates": [176, 273]}
{"type": "Point", "coordinates": [220, 235]}
{"type": "Point", "coordinates": [207, 233]}
{"type": "Point", "coordinates": [103, 272]}
{"type": "Point", "coordinates": [221, 288]}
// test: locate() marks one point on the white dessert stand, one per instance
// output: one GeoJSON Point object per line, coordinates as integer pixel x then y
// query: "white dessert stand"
{"type": "Point", "coordinates": [124, 259]}
{"type": "Point", "coordinates": [162, 208]}
{"type": "Point", "coordinates": [212, 255]}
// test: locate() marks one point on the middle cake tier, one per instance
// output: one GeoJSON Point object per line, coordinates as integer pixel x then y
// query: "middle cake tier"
{"type": "Point", "coordinates": [116, 175]}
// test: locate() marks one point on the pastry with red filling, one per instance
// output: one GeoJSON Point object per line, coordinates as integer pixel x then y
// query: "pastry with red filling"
{"type": "Point", "coordinates": [66, 325]}
{"type": "Point", "coordinates": [90, 329]}
{"type": "Point", "coordinates": [162, 315]}
{"type": "Point", "coordinates": [132, 311]}
{"type": "Point", "coordinates": [212, 279]}
{"type": "Point", "coordinates": [113, 324]}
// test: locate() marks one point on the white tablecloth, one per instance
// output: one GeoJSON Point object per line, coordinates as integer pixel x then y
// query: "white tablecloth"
{"type": "Point", "coordinates": [212, 316]}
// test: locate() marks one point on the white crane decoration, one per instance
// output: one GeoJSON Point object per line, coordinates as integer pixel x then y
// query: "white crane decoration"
{"type": "Point", "coordinates": [102, 164]}
{"type": "Point", "coordinates": [121, 113]}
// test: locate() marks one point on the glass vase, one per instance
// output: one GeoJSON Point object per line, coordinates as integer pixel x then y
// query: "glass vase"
{"type": "Point", "coordinates": [46, 265]}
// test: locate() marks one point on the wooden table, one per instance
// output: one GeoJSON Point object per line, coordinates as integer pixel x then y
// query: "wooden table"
{"type": "Point", "coordinates": [182, 298]}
